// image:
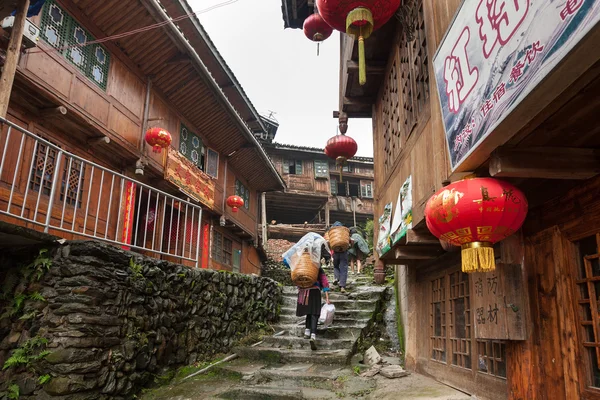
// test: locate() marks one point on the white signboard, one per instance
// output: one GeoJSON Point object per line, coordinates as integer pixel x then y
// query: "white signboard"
{"type": "Point", "coordinates": [494, 54]}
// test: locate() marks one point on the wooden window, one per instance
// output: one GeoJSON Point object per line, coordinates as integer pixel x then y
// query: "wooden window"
{"type": "Point", "coordinates": [64, 33]}
{"type": "Point", "coordinates": [237, 260]}
{"type": "Point", "coordinates": [293, 167]}
{"type": "Point", "coordinates": [492, 357]}
{"type": "Point", "coordinates": [348, 168]}
{"type": "Point", "coordinates": [588, 306]}
{"type": "Point", "coordinates": [406, 91]}
{"type": "Point", "coordinates": [243, 192]}
{"type": "Point", "coordinates": [191, 146]}
{"type": "Point", "coordinates": [334, 186]}
{"type": "Point", "coordinates": [438, 320]}
{"type": "Point", "coordinates": [321, 169]}
{"type": "Point", "coordinates": [353, 189]}
{"type": "Point", "coordinates": [212, 163]}
{"type": "Point", "coordinates": [366, 190]}
{"type": "Point", "coordinates": [342, 188]}
{"type": "Point", "coordinates": [42, 175]}
{"type": "Point", "coordinates": [460, 319]}
{"type": "Point", "coordinates": [222, 248]}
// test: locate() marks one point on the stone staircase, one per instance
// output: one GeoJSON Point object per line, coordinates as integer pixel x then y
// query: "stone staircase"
{"type": "Point", "coordinates": [284, 366]}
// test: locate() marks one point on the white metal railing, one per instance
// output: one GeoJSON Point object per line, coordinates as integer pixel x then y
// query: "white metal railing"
{"type": "Point", "coordinates": [51, 189]}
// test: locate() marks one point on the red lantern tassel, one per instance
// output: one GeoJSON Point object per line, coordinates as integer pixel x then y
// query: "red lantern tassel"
{"type": "Point", "coordinates": [157, 149]}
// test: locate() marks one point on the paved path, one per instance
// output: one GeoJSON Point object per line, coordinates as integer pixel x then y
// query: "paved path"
{"type": "Point", "coordinates": [285, 368]}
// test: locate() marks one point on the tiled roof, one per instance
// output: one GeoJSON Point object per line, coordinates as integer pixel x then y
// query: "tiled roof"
{"type": "Point", "coordinates": [282, 146]}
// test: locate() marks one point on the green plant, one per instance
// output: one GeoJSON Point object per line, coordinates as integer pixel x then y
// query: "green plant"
{"type": "Point", "coordinates": [13, 391]}
{"type": "Point", "coordinates": [28, 353]}
{"type": "Point", "coordinates": [136, 269]}
{"type": "Point", "coordinates": [36, 296]}
{"type": "Point", "coordinates": [356, 370]}
{"type": "Point", "coordinates": [369, 231]}
{"type": "Point", "coordinates": [44, 379]}
{"type": "Point", "coordinates": [29, 315]}
{"type": "Point", "coordinates": [39, 266]}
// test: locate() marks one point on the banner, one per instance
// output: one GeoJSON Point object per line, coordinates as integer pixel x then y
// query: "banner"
{"type": "Point", "coordinates": [403, 214]}
{"type": "Point", "coordinates": [189, 178]}
{"type": "Point", "coordinates": [383, 239]}
{"type": "Point", "coordinates": [494, 54]}
{"type": "Point", "coordinates": [128, 212]}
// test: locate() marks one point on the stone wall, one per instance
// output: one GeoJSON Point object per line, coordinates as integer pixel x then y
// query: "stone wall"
{"type": "Point", "coordinates": [114, 320]}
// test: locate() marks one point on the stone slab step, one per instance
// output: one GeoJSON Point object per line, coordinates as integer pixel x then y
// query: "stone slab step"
{"type": "Point", "coordinates": [279, 356]}
{"type": "Point", "coordinates": [266, 392]}
{"type": "Point", "coordinates": [339, 304]}
{"type": "Point", "coordinates": [299, 343]}
{"type": "Point", "coordinates": [349, 313]}
{"type": "Point", "coordinates": [333, 296]}
{"type": "Point", "coordinates": [333, 332]}
{"type": "Point", "coordinates": [341, 319]}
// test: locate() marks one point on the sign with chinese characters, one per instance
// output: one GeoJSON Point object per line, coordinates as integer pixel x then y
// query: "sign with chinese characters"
{"type": "Point", "coordinates": [402, 221]}
{"type": "Point", "coordinates": [128, 211]}
{"type": "Point", "coordinates": [189, 178]}
{"type": "Point", "coordinates": [383, 239]}
{"type": "Point", "coordinates": [494, 54]}
{"type": "Point", "coordinates": [497, 301]}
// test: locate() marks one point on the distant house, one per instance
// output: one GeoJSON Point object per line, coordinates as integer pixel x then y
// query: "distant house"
{"type": "Point", "coordinates": [315, 193]}
{"type": "Point", "coordinates": [74, 161]}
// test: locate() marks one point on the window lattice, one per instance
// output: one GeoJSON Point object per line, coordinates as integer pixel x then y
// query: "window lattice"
{"type": "Point", "coordinates": [492, 357]}
{"type": "Point", "coordinates": [588, 290]}
{"type": "Point", "coordinates": [243, 192]}
{"type": "Point", "coordinates": [64, 33]}
{"type": "Point", "coordinates": [406, 91]}
{"type": "Point", "coordinates": [191, 146]}
{"type": "Point", "coordinates": [42, 175]}
{"type": "Point", "coordinates": [438, 320]}
{"type": "Point", "coordinates": [391, 118]}
{"type": "Point", "coordinates": [460, 319]}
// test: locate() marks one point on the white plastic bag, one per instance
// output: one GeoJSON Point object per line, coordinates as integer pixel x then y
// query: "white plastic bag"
{"type": "Point", "coordinates": [327, 313]}
{"type": "Point", "coordinates": [311, 241]}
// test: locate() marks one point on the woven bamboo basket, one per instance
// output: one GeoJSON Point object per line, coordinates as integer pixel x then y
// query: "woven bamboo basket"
{"type": "Point", "coordinates": [306, 272]}
{"type": "Point", "coordinates": [339, 238]}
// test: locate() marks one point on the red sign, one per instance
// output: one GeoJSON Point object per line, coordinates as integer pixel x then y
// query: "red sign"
{"type": "Point", "coordinates": [205, 244]}
{"type": "Point", "coordinates": [128, 215]}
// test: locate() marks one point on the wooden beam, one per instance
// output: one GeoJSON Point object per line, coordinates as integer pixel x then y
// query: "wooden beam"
{"type": "Point", "coordinates": [545, 163]}
{"type": "Point", "coordinates": [358, 101]}
{"type": "Point", "coordinates": [51, 112]}
{"type": "Point", "coordinates": [263, 217]}
{"type": "Point", "coordinates": [99, 140]}
{"type": "Point", "coordinates": [12, 56]}
{"type": "Point", "coordinates": [179, 58]}
{"type": "Point", "coordinates": [373, 67]}
{"type": "Point", "coordinates": [404, 253]}
{"type": "Point", "coordinates": [327, 214]}
{"type": "Point", "coordinates": [414, 238]}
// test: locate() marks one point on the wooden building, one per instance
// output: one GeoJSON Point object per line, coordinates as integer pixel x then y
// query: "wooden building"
{"type": "Point", "coordinates": [316, 193]}
{"type": "Point", "coordinates": [524, 111]}
{"type": "Point", "coordinates": [74, 161]}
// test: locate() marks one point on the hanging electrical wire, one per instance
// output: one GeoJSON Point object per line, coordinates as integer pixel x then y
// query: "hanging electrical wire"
{"type": "Point", "coordinates": [139, 30]}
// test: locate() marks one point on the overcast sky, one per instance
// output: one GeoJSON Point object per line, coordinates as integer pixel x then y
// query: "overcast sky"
{"type": "Point", "coordinates": [280, 71]}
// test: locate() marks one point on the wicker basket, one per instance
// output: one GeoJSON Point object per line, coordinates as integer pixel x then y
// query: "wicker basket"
{"type": "Point", "coordinates": [306, 272]}
{"type": "Point", "coordinates": [339, 238]}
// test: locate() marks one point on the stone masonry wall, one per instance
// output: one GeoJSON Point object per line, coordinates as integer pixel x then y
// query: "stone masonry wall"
{"type": "Point", "coordinates": [114, 320]}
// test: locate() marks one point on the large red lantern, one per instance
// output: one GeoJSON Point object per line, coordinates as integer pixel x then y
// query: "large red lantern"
{"type": "Point", "coordinates": [475, 213]}
{"type": "Point", "coordinates": [158, 138]}
{"type": "Point", "coordinates": [235, 202]}
{"type": "Point", "coordinates": [341, 148]}
{"type": "Point", "coordinates": [358, 18]}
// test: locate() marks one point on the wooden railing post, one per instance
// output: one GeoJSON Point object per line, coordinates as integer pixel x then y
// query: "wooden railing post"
{"type": "Point", "coordinates": [12, 56]}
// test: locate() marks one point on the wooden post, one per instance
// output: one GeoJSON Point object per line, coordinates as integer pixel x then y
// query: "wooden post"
{"type": "Point", "coordinates": [12, 56]}
{"type": "Point", "coordinates": [327, 215]}
{"type": "Point", "coordinates": [354, 210]}
{"type": "Point", "coordinates": [264, 217]}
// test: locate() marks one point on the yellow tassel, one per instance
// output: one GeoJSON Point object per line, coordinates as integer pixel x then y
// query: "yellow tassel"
{"type": "Point", "coordinates": [362, 64]}
{"type": "Point", "coordinates": [359, 23]}
{"type": "Point", "coordinates": [478, 257]}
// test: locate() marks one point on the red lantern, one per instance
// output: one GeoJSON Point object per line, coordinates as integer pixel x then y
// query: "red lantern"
{"type": "Point", "coordinates": [358, 18]}
{"type": "Point", "coordinates": [158, 138]}
{"type": "Point", "coordinates": [316, 29]}
{"type": "Point", "coordinates": [341, 148]}
{"type": "Point", "coordinates": [474, 214]}
{"type": "Point", "coordinates": [235, 202]}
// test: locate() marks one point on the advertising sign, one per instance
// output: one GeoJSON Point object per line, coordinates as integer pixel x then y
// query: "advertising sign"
{"type": "Point", "coordinates": [494, 54]}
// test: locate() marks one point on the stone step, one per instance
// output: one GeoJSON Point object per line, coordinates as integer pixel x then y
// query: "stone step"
{"type": "Point", "coordinates": [351, 331]}
{"type": "Point", "coordinates": [299, 343]}
{"type": "Point", "coordinates": [339, 313]}
{"type": "Point", "coordinates": [333, 296]}
{"type": "Point", "coordinates": [339, 304]}
{"type": "Point", "coordinates": [268, 392]}
{"type": "Point", "coordinates": [292, 292]}
{"type": "Point", "coordinates": [286, 319]}
{"type": "Point", "coordinates": [279, 356]}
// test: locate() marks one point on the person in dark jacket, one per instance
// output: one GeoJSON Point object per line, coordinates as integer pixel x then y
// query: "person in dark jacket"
{"type": "Point", "coordinates": [340, 265]}
{"type": "Point", "coordinates": [309, 302]}
{"type": "Point", "coordinates": [358, 251]}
